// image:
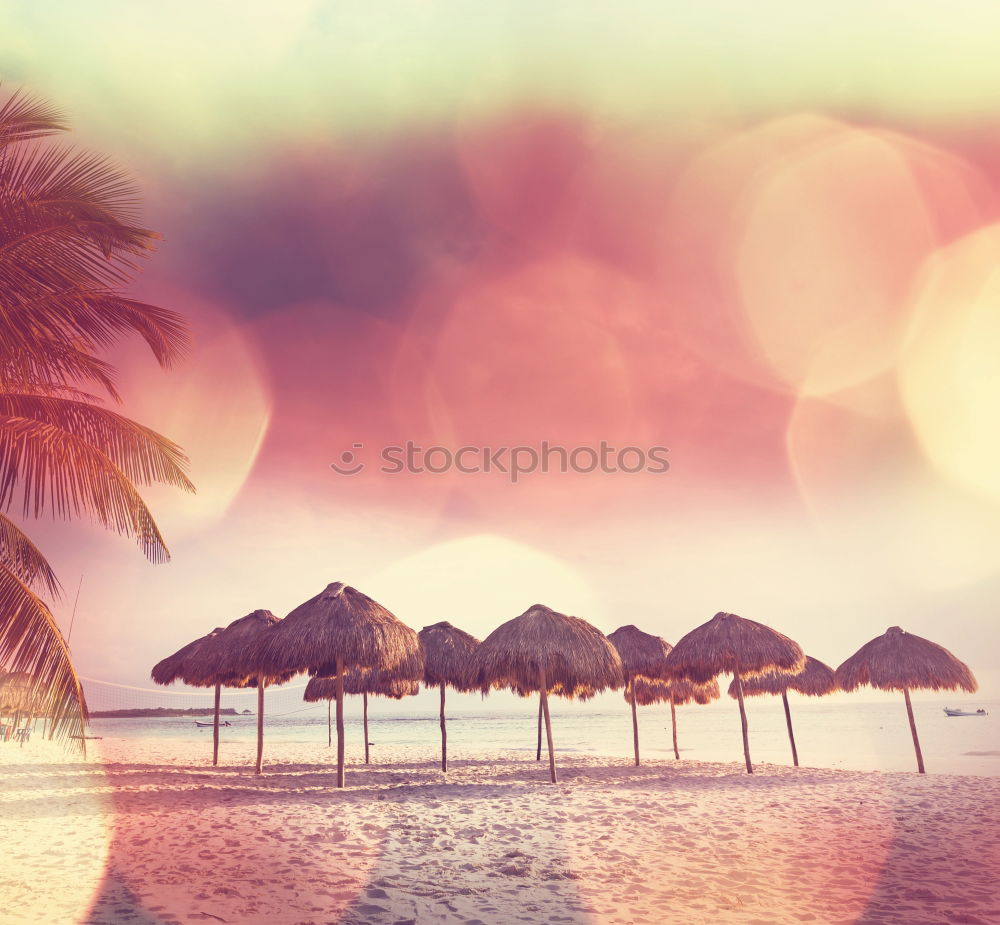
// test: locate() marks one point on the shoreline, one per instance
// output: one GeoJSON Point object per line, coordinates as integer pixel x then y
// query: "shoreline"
{"type": "Point", "coordinates": [145, 832]}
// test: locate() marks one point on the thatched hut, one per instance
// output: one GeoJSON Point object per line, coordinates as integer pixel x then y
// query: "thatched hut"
{"type": "Point", "coordinates": [549, 652]}
{"type": "Point", "coordinates": [363, 683]}
{"type": "Point", "coordinates": [901, 661]}
{"type": "Point", "coordinates": [737, 646]}
{"type": "Point", "coordinates": [447, 652]}
{"type": "Point", "coordinates": [339, 629]}
{"type": "Point", "coordinates": [195, 665]}
{"type": "Point", "coordinates": [677, 693]}
{"type": "Point", "coordinates": [814, 680]}
{"type": "Point", "coordinates": [643, 655]}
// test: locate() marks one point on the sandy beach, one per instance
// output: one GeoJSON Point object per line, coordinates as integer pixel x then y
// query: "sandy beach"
{"type": "Point", "coordinates": [144, 832]}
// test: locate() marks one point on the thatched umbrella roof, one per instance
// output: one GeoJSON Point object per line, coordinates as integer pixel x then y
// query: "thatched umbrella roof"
{"type": "Point", "coordinates": [192, 664]}
{"type": "Point", "coordinates": [356, 682]}
{"type": "Point", "coordinates": [339, 622]}
{"type": "Point", "coordinates": [648, 691]}
{"type": "Point", "coordinates": [641, 653]}
{"type": "Point", "coordinates": [549, 652]}
{"type": "Point", "coordinates": [18, 691]}
{"type": "Point", "coordinates": [728, 643]}
{"type": "Point", "coordinates": [337, 630]}
{"type": "Point", "coordinates": [447, 651]}
{"type": "Point", "coordinates": [573, 656]}
{"type": "Point", "coordinates": [740, 647]}
{"type": "Point", "coordinates": [678, 693]}
{"type": "Point", "coordinates": [233, 651]}
{"type": "Point", "coordinates": [898, 660]}
{"type": "Point", "coordinates": [816, 679]}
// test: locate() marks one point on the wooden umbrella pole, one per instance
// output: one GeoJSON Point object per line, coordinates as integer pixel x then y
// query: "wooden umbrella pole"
{"type": "Point", "coordinates": [743, 721]}
{"type": "Point", "coordinates": [215, 725]}
{"type": "Point", "coordinates": [788, 722]}
{"type": "Point", "coordinates": [340, 722]}
{"type": "Point", "coordinates": [444, 734]}
{"type": "Point", "coordinates": [673, 728]}
{"type": "Point", "coordinates": [635, 722]}
{"type": "Point", "coordinates": [548, 726]}
{"type": "Point", "coordinates": [913, 731]}
{"type": "Point", "coordinates": [364, 697]}
{"type": "Point", "coordinates": [260, 723]}
{"type": "Point", "coordinates": [538, 751]}
{"type": "Point", "coordinates": [329, 723]}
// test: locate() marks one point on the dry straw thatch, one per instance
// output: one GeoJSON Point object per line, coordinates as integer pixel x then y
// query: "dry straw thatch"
{"type": "Point", "coordinates": [901, 661]}
{"type": "Point", "coordinates": [737, 646]}
{"type": "Point", "coordinates": [676, 693]}
{"type": "Point", "coordinates": [224, 658]}
{"type": "Point", "coordinates": [814, 680]}
{"type": "Point", "coordinates": [447, 652]}
{"type": "Point", "coordinates": [642, 655]}
{"type": "Point", "coordinates": [546, 651]}
{"type": "Point", "coordinates": [363, 683]}
{"type": "Point", "coordinates": [194, 664]}
{"type": "Point", "coordinates": [234, 648]}
{"type": "Point", "coordinates": [339, 629]}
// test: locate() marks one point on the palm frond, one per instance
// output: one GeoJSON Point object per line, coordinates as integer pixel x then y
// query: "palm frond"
{"type": "Point", "coordinates": [71, 318]}
{"type": "Point", "coordinates": [58, 471]}
{"type": "Point", "coordinates": [24, 118]}
{"type": "Point", "coordinates": [142, 455]}
{"type": "Point", "coordinates": [21, 557]}
{"type": "Point", "coordinates": [47, 366]}
{"type": "Point", "coordinates": [31, 642]}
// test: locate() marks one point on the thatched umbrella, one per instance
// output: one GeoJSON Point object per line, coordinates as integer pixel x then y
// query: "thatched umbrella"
{"type": "Point", "coordinates": [643, 655]}
{"type": "Point", "coordinates": [737, 646]}
{"type": "Point", "coordinates": [339, 629]}
{"type": "Point", "coordinates": [358, 682]}
{"type": "Point", "coordinates": [900, 661]}
{"type": "Point", "coordinates": [814, 680]}
{"type": "Point", "coordinates": [194, 664]}
{"type": "Point", "coordinates": [676, 693]}
{"type": "Point", "coordinates": [447, 651]}
{"type": "Point", "coordinates": [548, 652]}
{"type": "Point", "coordinates": [234, 648]}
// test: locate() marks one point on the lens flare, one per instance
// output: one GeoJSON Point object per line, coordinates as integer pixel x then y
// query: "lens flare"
{"type": "Point", "coordinates": [947, 371]}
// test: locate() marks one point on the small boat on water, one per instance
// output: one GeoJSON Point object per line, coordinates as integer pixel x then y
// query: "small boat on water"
{"type": "Point", "coordinates": [226, 723]}
{"type": "Point", "coordinates": [948, 711]}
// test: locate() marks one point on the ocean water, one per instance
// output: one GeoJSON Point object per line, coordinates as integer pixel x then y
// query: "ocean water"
{"type": "Point", "coordinates": [829, 732]}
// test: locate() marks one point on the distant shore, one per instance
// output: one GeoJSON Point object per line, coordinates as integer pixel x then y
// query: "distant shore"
{"type": "Point", "coordinates": [161, 711]}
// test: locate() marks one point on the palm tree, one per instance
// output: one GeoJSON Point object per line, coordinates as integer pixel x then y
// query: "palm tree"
{"type": "Point", "coordinates": [69, 242]}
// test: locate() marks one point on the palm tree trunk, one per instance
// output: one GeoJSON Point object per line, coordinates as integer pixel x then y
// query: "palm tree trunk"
{"type": "Point", "coordinates": [364, 697]}
{"type": "Point", "coordinates": [743, 721]}
{"type": "Point", "coordinates": [340, 722]}
{"type": "Point", "coordinates": [548, 725]}
{"type": "Point", "coordinates": [538, 751]}
{"type": "Point", "coordinates": [444, 734]}
{"type": "Point", "coordinates": [635, 722]}
{"type": "Point", "coordinates": [329, 723]}
{"type": "Point", "coordinates": [673, 728]}
{"type": "Point", "coordinates": [788, 722]}
{"type": "Point", "coordinates": [260, 723]}
{"type": "Point", "coordinates": [215, 726]}
{"type": "Point", "coordinates": [913, 731]}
